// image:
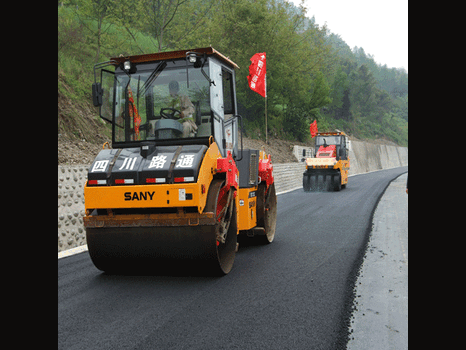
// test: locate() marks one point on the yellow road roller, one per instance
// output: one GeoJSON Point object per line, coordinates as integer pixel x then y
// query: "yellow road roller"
{"type": "Point", "coordinates": [328, 170]}
{"type": "Point", "coordinates": [176, 185]}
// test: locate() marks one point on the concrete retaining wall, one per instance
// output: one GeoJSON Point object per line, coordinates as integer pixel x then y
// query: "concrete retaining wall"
{"type": "Point", "coordinates": [288, 176]}
{"type": "Point", "coordinates": [364, 157]}
{"type": "Point", "coordinates": [71, 180]}
{"type": "Point", "coordinates": [298, 152]}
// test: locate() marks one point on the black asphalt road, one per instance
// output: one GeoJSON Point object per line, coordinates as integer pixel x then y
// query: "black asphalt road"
{"type": "Point", "coordinates": [295, 293]}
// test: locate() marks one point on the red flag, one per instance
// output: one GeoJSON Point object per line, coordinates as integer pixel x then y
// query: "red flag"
{"type": "Point", "coordinates": [313, 128]}
{"type": "Point", "coordinates": [257, 71]}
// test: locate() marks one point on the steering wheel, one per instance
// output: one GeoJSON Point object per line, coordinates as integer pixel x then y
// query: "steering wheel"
{"type": "Point", "coordinates": [166, 115]}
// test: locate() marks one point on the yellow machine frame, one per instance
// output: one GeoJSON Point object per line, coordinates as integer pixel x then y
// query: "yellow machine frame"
{"type": "Point", "coordinates": [168, 196]}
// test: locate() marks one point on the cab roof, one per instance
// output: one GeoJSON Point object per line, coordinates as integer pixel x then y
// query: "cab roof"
{"type": "Point", "coordinates": [335, 133]}
{"type": "Point", "coordinates": [171, 55]}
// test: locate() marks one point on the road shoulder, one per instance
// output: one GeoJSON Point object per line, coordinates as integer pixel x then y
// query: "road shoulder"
{"type": "Point", "coordinates": [380, 316]}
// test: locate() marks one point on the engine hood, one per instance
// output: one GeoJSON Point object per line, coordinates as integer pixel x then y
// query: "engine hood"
{"type": "Point", "coordinates": [136, 166]}
{"type": "Point", "coordinates": [329, 151]}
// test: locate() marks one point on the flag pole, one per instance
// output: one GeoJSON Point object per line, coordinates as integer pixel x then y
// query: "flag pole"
{"type": "Point", "coordinates": [265, 80]}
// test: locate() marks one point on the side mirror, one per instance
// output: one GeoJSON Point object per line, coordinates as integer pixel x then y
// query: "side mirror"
{"type": "Point", "coordinates": [97, 93]}
{"type": "Point", "coordinates": [342, 153]}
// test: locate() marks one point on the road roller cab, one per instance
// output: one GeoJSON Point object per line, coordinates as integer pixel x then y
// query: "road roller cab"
{"type": "Point", "coordinates": [169, 188]}
{"type": "Point", "coordinates": [328, 170]}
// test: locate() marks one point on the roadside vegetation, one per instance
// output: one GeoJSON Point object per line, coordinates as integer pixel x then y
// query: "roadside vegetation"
{"type": "Point", "coordinates": [311, 72]}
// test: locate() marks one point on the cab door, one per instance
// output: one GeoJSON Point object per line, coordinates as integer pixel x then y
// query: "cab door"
{"type": "Point", "coordinates": [216, 103]}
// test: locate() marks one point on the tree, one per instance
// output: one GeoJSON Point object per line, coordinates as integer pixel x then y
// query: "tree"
{"type": "Point", "coordinates": [346, 106]}
{"type": "Point", "coordinates": [157, 16]}
{"type": "Point", "coordinates": [126, 15]}
{"type": "Point", "coordinates": [363, 91]}
{"type": "Point", "coordinates": [191, 20]}
{"type": "Point", "coordinates": [296, 122]}
{"type": "Point", "coordinates": [320, 92]}
{"type": "Point", "coordinates": [97, 10]}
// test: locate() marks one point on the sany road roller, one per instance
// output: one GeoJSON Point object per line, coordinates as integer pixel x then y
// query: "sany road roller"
{"type": "Point", "coordinates": [328, 170]}
{"type": "Point", "coordinates": [176, 186]}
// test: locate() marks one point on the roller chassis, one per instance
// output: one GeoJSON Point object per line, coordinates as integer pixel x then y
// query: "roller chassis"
{"type": "Point", "coordinates": [323, 180]}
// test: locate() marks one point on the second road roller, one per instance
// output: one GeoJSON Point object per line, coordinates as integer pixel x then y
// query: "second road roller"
{"type": "Point", "coordinates": [328, 170]}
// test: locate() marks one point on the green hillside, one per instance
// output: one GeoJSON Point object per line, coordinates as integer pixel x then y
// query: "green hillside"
{"type": "Point", "coordinates": [311, 73]}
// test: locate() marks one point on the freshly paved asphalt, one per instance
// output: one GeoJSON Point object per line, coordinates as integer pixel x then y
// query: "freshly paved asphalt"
{"type": "Point", "coordinates": [296, 293]}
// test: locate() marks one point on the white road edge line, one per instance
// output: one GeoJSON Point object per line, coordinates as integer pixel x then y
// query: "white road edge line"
{"type": "Point", "coordinates": [72, 251]}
